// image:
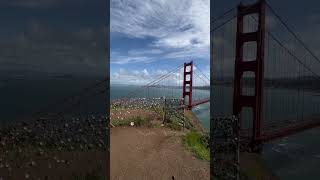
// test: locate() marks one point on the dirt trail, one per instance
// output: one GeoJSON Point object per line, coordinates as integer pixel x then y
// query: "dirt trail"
{"type": "Point", "coordinates": [153, 153]}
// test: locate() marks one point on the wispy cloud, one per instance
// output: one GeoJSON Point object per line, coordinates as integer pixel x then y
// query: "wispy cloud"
{"type": "Point", "coordinates": [178, 28]}
{"type": "Point", "coordinates": [144, 76]}
{"type": "Point", "coordinates": [132, 57]}
{"type": "Point", "coordinates": [125, 76]}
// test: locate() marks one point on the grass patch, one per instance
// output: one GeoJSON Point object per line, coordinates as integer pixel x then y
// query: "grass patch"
{"type": "Point", "coordinates": [88, 176]}
{"type": "Point", "coordinates": [156, 125]}
{"type": "Point", "coordinates": [175, 123]}
{"type": "Point", "coordinates": [138, 121]}
{"type": "Point", "coordinates": [199, 144]}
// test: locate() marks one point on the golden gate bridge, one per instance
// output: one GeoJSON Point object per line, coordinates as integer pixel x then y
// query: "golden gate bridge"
{"type": "Point", "coordinates": [186, 83]}
{"type": "Point", "coordinates": [264, 74]}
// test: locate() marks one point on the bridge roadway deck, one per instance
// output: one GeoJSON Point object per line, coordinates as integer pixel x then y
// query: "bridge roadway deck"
{"type": "Point", "coordinates": [284, 128]}
{"type": "Point", "coordinates": [201, 101]}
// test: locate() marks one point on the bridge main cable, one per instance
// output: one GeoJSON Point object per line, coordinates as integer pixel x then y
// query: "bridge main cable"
{"type": "Point", "coordinates": [152, 82]}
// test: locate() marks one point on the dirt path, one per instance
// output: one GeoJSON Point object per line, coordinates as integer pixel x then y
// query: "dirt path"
{"type": "Point", "coordinates": [153, 153]}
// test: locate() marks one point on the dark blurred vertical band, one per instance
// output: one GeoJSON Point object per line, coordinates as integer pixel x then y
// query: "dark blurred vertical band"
{"type": "Point", "coordinates": [108, 88]}
{"type": "Point", "coordinates": [211, 91]}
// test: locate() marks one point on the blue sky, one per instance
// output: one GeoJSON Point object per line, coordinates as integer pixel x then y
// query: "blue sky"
{"type": "Point", "coordinates": [149, 38]}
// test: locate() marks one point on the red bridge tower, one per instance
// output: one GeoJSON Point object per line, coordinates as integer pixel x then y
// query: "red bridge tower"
{"type": "Point", "coordinates": [187, 83]}
{"type": "Point", "coordinates": [256, 66]}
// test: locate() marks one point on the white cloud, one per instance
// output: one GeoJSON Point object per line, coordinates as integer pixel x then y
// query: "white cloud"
{"type": "Point", "coordinates": [180, 28]}
{"type": "Point", "coordinates": [124, 76]}
{"type": "Point", "coordinates": [135, 52]}
{"type": "Point", "coordinates": [117, 58]}
{"type": "Point", "coordinates": [142, 77]}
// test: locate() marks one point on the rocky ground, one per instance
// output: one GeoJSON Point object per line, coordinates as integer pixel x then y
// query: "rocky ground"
{"type": "Point", "coordinates": [58, 148]}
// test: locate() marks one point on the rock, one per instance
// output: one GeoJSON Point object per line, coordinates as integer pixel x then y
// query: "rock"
{"type": "Point", "coordinates": [67, 162]}
{"type": "Point", "coordinates": [33, 163]}
{"type": "Point", "coordinates": [27, 176]}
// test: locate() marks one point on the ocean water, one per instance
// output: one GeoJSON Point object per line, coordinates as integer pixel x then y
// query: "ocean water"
{"type": "Point", "coordinates": [21, 98]}
{"type": "Point", "coordinates": [202, 111]}
{"type": "Point", "coordinates": [294, 157]}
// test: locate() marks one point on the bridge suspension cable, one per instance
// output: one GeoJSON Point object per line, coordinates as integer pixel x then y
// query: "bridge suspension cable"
{"type": "Point", "coordinates": [156, 80]}
{"type": "Point", "coordinates": [289, 51]}
{"type": "Point", "coordinates": [202, 72]}
{"type": "Point", "coordinates": [292, 32]}
{"type": "Point", "coordinates": [223, 15]}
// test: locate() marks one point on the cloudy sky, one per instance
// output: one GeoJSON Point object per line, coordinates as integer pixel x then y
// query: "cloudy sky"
{"type": "Point", "coordinates": [151, 37]}
{"type": "Point", "coordinates": [302, 17]}
{"type": "Point", "coordinates": [53, 36]}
